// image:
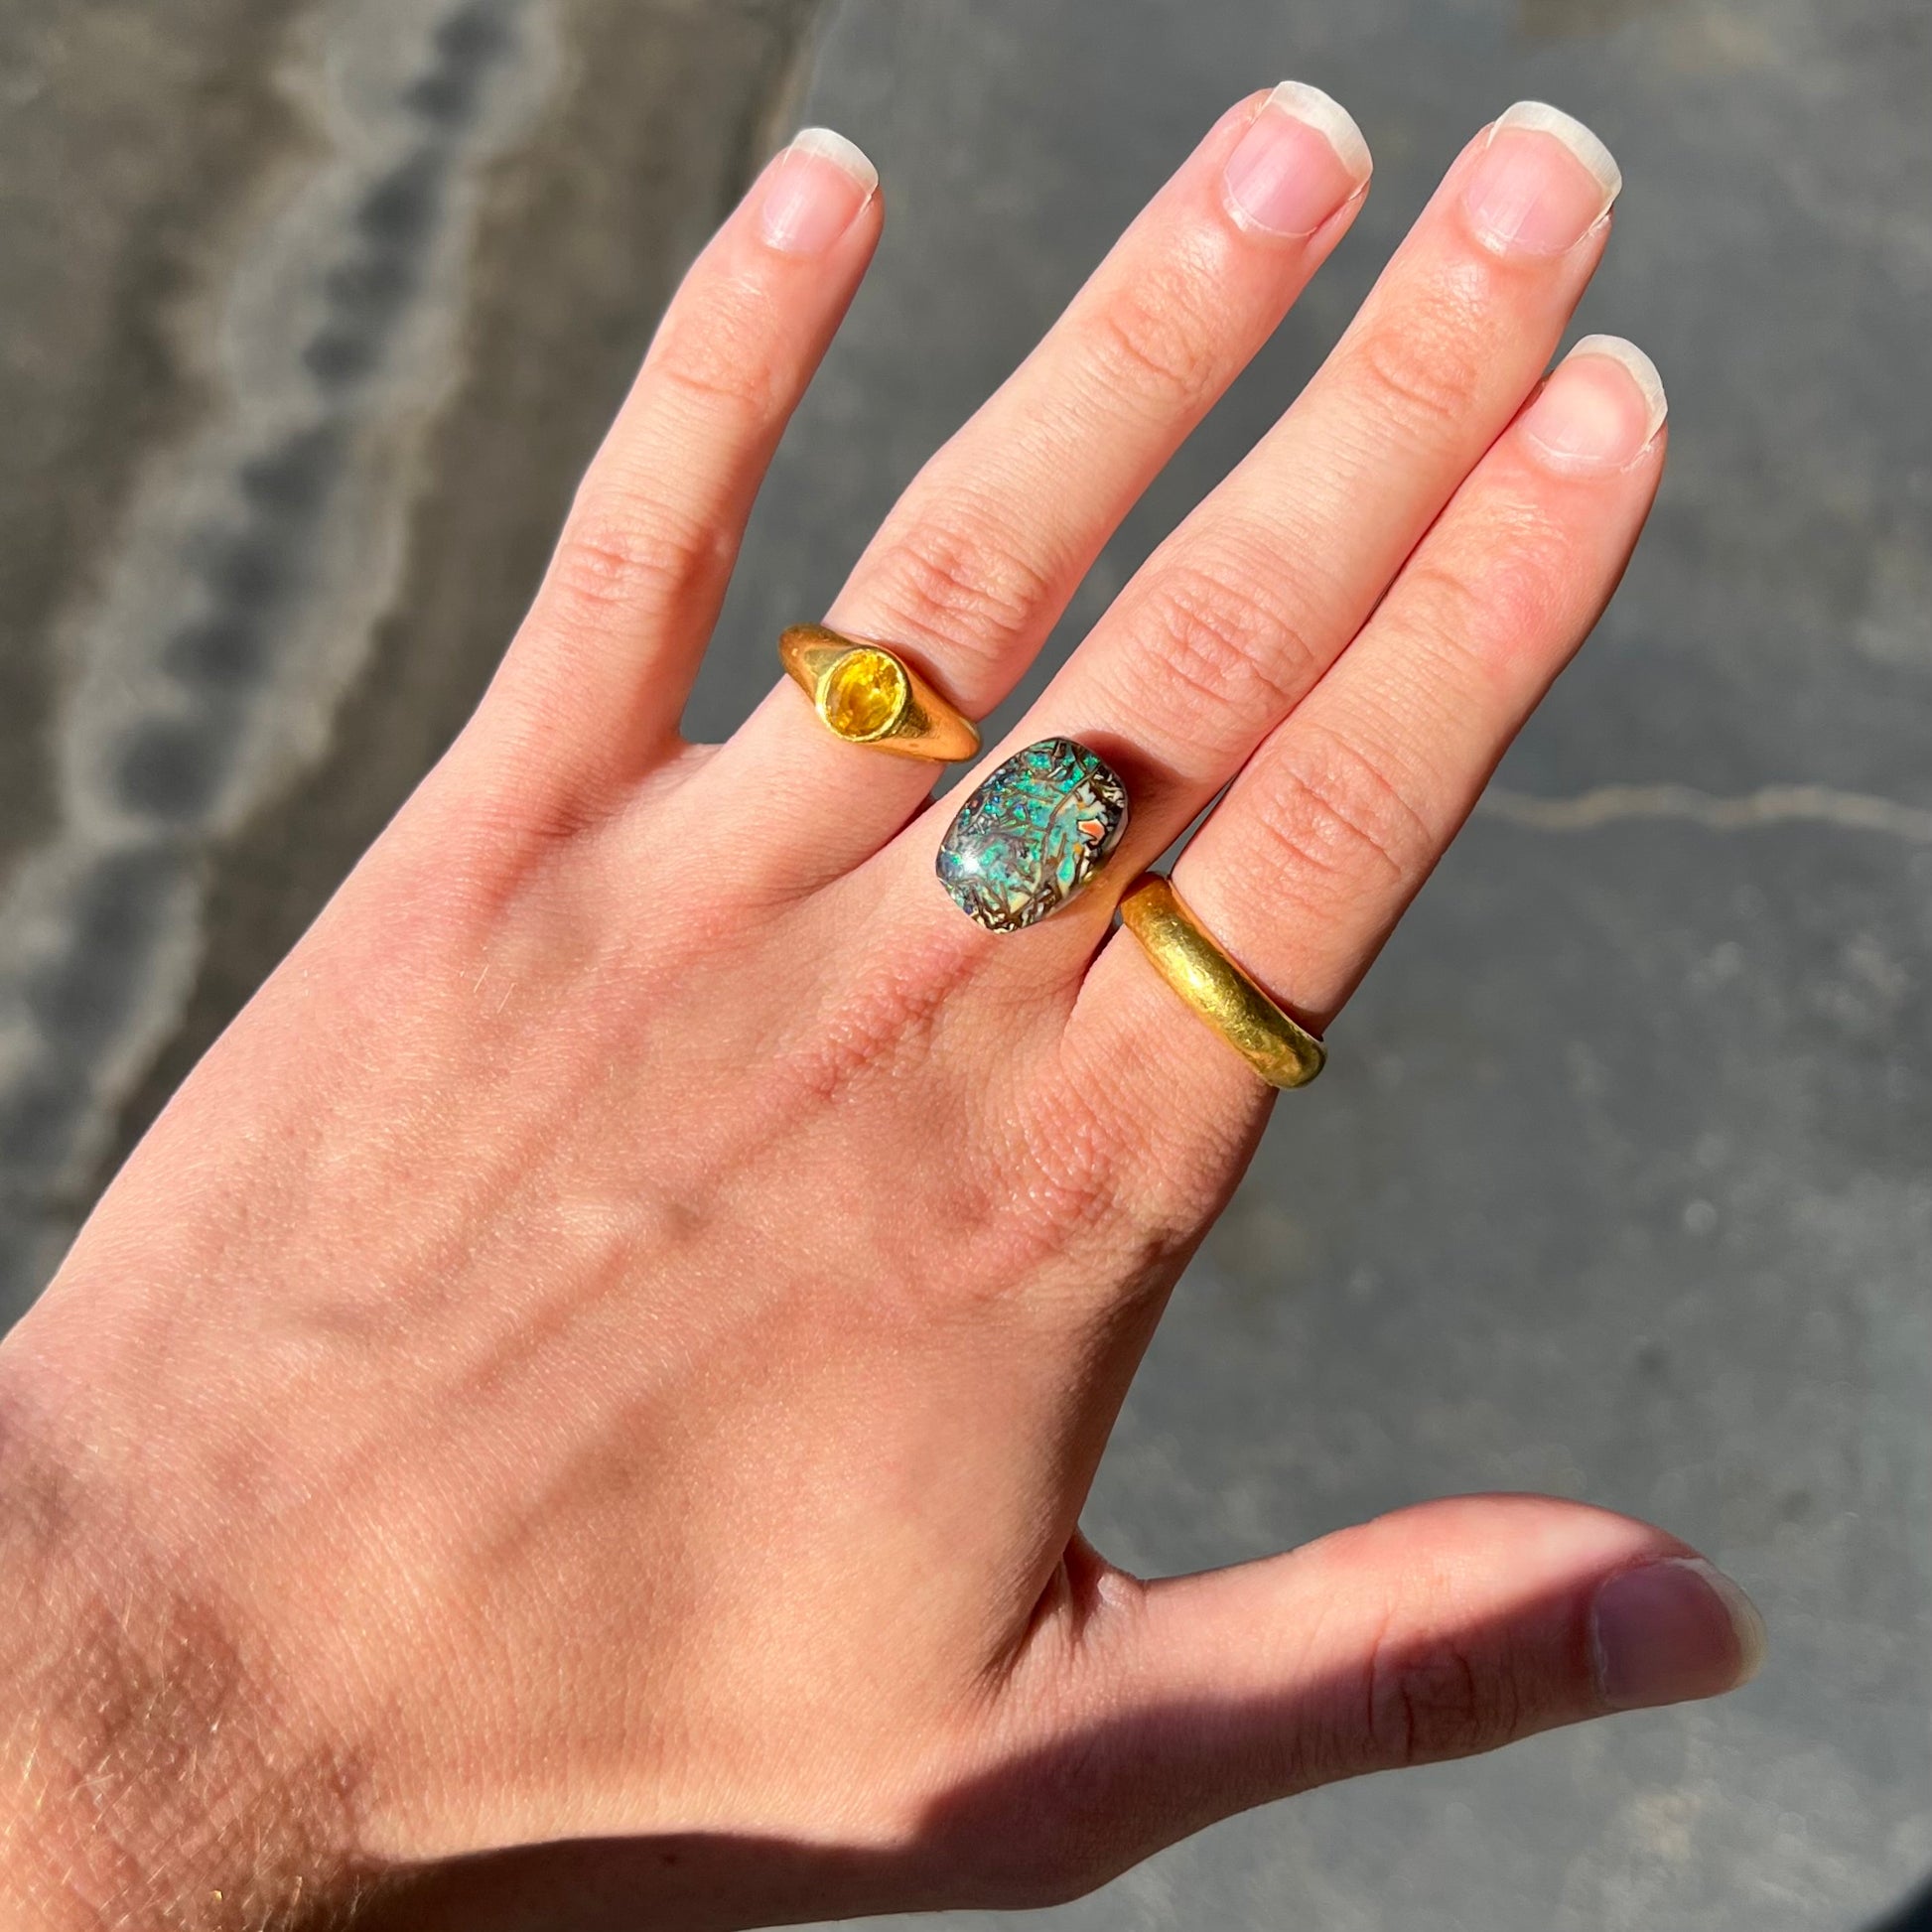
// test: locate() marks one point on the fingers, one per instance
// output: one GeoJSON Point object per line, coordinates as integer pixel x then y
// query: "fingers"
{"type": "Point", "coordinates": [1233, 620]}
{"type": "Point", "coordinates": [1437, 1632]}
{"type": "Point", "coordinates": [980, 557]}
{"type": "Point", "coordinates": [1318, 847]}
{"type": "Point", "coordinates": [602, 669]}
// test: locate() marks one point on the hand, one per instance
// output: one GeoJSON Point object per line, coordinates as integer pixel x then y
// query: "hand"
{"type": "Point", "coordinates": [577, 1414]}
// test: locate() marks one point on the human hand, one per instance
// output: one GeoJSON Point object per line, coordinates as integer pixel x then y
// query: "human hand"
{"type": "Point", "coordinates": [579, 1412]}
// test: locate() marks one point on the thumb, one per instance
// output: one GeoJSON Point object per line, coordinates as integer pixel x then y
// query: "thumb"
{"type": "Point", "coordinates": [1438, 1631]}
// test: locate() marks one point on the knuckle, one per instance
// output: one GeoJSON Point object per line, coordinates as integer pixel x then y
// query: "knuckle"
{"type": "Point", "coordinates": [1071, 1171]}
{"type": "Point", "coordinates": [1150, 340]}
{"type": "Point", "coordinates": [1222, 644]}
{"type": "Point", "coordinates": [629, 559]}
{"type": "Point", "coordinates": [1060, 1195]}
{"type": "Point", "coordinates": [892, 1013]}
{"type": "Point", "coordinates": [1072, 1155]}
{"type": "Point", "coordinates": [957, 576]}
{"type": "Point", "coordinates": [1116, 1197]}
{"type": "Point", "coordinates": [1440, 600]}
{"type": "Point", "coordinates": [1044, 1186]}
{"type": "Point", "coordinates": [1329, 810]}
{"type": "Point", "coordinates": [1425, 1699]}
{"type": "Point", "coordinates": [1427, 377]}
{"type": "Point", "coordinates": [715, 351]}
{"type": "Point", "coordinates": [1507, 594]}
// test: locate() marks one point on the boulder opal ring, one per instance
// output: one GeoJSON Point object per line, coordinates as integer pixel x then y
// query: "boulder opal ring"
{"type": "Point", "coordinates": [869, 695]}
{"type": "Point", "coordinates": [1033, 834]}
{"type": "Point", "coordinates": [1284, 1053]}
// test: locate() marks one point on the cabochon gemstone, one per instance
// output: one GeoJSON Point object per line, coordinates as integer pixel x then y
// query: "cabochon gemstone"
{"type": "Point", "coordinates": [1032, 835]}
{"type": "Point", "coordinates": [863, 696]}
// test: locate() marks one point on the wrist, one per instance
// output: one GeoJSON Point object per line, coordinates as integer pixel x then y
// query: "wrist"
{"type": "Point", "coordinates": [150, 1767]}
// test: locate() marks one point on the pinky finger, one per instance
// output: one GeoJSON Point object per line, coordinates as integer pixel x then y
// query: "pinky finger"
{"type": "Point", "coordinates": [602, 669]}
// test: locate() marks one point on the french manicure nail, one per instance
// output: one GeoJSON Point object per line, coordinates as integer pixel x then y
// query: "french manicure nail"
{"type": "Point", "coordinates": [1540, 183]}
{"type": "Point", "coordinates": [1302, 158]}
{"type": "Point", "coordinates": [1670, 1630]}
{"type": "Point", "coordinates": [813, 190]}
{"type": "Point", "coordinates": [1599, 409]}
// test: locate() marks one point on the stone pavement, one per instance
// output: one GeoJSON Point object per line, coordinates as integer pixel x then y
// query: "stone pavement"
{"type": "Point", "coordinates": [1620, 1182]}
{"type": "Point", "coordinates": [313, 312]}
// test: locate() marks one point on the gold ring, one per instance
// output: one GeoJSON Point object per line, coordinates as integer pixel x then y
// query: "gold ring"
{"type": "Point", "coordinates": [1284, 1053]}
{"type": "Point", "coordinates": [869, 695]}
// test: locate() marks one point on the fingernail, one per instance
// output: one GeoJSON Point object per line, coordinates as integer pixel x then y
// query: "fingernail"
{"type": "Point", "coordinates": [813, 190]}
{"type": "Point", "coordinates": [1673, 1629]}
{"type": "Point", "coordinates": [1301, 159]}
{"type": "Point", "coordinates": [1601, 407]}
{"type": "Point", "coordinates": [1542, 182]}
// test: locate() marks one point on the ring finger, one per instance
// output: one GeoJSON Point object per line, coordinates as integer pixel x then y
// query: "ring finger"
{"type": "Point", "coordinates": [1318, 846]}
{"type": "Point", "coordinates": [1238, 616]}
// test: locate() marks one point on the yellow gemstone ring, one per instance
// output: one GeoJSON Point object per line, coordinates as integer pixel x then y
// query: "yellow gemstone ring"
{"type": "Point", "coordinates": [869, 695]}
{"type": "Point", "coordinates": [1284, 1053]}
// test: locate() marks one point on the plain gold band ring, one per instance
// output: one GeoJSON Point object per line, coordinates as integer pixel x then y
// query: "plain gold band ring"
{"type": "Point", "coordinates": [867, 694]}
{"type": "Point", "coordinates": [1284, 1053]}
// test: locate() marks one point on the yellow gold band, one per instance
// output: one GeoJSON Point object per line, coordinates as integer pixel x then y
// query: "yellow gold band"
{"type": "Point", "coordinates": [1284, 1053]}
{"type": "Point", "coordinates": [869, 695]}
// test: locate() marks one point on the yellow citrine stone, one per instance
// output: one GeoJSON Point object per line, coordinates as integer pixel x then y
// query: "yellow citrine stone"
{"type": "Point", "coordinates": [864, 695]}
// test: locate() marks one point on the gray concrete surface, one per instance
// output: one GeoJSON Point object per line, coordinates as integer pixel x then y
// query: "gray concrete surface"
{"type": "Point", "coordinates": [313, 312]}
{"type": "Point", "coordinates": [1621, 1184]}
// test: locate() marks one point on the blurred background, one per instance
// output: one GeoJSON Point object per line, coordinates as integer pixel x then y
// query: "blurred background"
{"type": "Point", "coordinates": [1620, 1184]}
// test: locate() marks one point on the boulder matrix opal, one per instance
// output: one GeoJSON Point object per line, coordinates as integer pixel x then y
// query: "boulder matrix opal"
{"type": "Point", "coordinates": [1033, 834]}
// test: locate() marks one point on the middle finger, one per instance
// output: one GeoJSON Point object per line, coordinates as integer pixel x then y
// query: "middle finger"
{"type": "Point", "coordinates": [1236, 617]}
{"type": "Point", "coordinates": [980, 556]}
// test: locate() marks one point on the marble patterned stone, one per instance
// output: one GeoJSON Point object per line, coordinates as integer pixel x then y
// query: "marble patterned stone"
{"type": "Point", "coordinates": [1033, 834]}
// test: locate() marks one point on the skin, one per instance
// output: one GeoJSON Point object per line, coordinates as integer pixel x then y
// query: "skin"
{"type": "Point", "coordinates": [579, 1412]}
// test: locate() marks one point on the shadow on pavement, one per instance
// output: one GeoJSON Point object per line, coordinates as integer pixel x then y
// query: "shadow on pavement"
{"type": "Point", "coordinates": [1914, 1915]}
